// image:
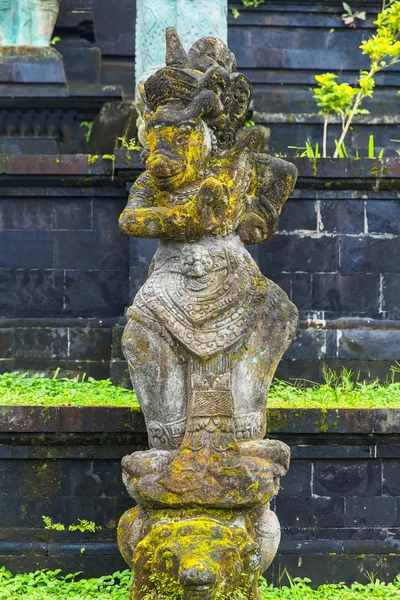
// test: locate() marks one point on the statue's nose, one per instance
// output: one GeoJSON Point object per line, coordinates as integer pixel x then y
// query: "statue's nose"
{"type": "Point", "coordinates": [163, 165]}
{"type": "Point", "coordinates": [197, 576]}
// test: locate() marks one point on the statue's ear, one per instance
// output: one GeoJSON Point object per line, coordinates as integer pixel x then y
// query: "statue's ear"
{"type": "Point", "coordinates": [216, 78]}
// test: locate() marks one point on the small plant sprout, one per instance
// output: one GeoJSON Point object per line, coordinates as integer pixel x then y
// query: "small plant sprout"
{"type": "Point", "coordinates": [333, 97]}
{"type": "Point", "coordinates": [235, 13]}
{"type": "Point", "coordinates": [130, 145]}
{"type": "Point", "coordinates": [48, 522]}
{"type": "Point", "coordinates": [84, 525]}
{"type": "Point", "coordinates": [54, 40]}
{"type": "Point", "coordinates": [89, 127]}
{"type": "Point", "coordinates": [349, 17]}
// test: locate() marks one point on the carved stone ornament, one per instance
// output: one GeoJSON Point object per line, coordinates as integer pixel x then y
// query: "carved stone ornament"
{"type": "Point", "coordinates": [204, 337]}
{"type": "Point", "coordinates": [27, 22]}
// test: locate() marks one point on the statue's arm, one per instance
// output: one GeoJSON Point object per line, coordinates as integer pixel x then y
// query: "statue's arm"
{"type": "Point", "coordinates": [144, 218]}
{"type": "Point", "coordinates": [275, 180]}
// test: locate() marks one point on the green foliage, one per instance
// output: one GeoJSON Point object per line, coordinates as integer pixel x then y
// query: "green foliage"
{"type": "Point", "coordinates": [235, 13]}
{"type": "Point", "coordinates": [52, 585]}
{"type": "Point", "coordinates": [84, 525]}
{"type": "Point", "coordinates": [24, 389]}
{"type": "Point", "coordinates": [89, 127]}
{"type": "Point", "coordinates": [128, 144]}
{"type": "Point", "coordinates": [253, 3]}
{"type": "Point", "coordinates": [249, 123]}
{"type": "Point", "coordinates": [383, 50]}
{"type": "Point", "coordinates": [337, 391]}
{"type": "Point", "coordinates": [349, 17]}
{"type": "Point", "coordinates": [54, 40]}
{"type": "Point", "coordinates": [333, 97]}
{"type": "Point", "coordinates": [54, 526]}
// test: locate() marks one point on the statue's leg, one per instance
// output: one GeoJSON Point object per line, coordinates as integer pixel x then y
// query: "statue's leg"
{"type": "Point", "coordinates": [159, 378]}
{"type": "Point", "coordinates": [8, 23]}
{"type": "Point", "coordinates": [257, 359]}
{"type": "Point", "coordinates": [44, 17]}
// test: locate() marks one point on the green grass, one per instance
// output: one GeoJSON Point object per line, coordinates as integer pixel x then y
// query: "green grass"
{"type": "Point", "coordinates": [48, 585]}
{"type": "Point", "coordinates": [23, 389]}
{"type": "Point", "coordinates": [340, 391]}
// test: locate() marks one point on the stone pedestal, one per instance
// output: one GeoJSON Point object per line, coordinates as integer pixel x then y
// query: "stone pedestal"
{"type": "Point", "coordinates": [39, 112]}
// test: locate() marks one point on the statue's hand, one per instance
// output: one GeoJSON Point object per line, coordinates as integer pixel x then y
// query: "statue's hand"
{"type": "Point", "coordinates": [212, 203]}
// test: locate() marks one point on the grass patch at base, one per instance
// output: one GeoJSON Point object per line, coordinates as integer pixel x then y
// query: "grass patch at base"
{"type": "Point", "coordinates": [338, 391]}
{"type": "Point", "coordinates": [52, 585]}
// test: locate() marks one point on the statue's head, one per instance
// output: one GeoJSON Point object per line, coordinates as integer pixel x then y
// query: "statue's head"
{"type": "Point", "coordinates": [197, 559]}
{"type": "Point", "coordinates": [192, 107]}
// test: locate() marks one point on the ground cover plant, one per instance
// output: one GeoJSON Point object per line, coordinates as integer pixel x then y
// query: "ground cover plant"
{"type": "Point", "coordinates": [337, 391]}
{"type": "Point", "coordinates": [48, 585]}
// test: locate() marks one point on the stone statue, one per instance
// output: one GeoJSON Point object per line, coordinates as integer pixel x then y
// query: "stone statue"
{"type": "Point", "coordinates": [204, 337]}
{"type": "Point", "coordinates": [192, 20]}
{"type": "Point", "coordinates": [27, 22]}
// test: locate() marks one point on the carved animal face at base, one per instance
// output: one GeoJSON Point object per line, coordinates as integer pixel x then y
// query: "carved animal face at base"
{"type": "Point", "coordinates": [197, 559]}
{"type": "Point", "coordinates": [179, 146]}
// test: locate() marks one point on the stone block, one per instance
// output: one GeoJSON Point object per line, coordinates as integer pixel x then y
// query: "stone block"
{"type": "Point", "coordinates": [391, 296]}
{"type": "Point", "coordinates": [106, 211]}
{"type": "Point", "coordinates": [104, 250]}
{"type": "Point", "coordinates": [340, 293]}
{"type": "Point", "coordinates": [93, 342]}
{"type": "Point", "coordinates": [370, 254]}
{"type": "Point", "coordinates": [96, 293]}
{"type": "Point", "coordinates": [297, 482]}
{"type": "Point", "coordinates": [383, 216]}
{"type": "Point", "coordinates": [391, 476]}
{"type": "Point", "coordinates": [308, 343]}
{"type": "Point", "coordinates": [41, 342]}
{"type": "Point", "coordinates": [369, 512]}
{"type": "Point", "coordinates": [301, 290]}
{"type": "Point", "coordinates": [372, 344]}
{"type": "Point", "coordinates": [308, 512]}
{"type": "Point", "coordinates": [31, 293]}
{"type": "Point", "coordinates": [347, 478]}
{"type": "Point", "coordinates": [31, 249]}
{"type": "Point", "coordinates": [295, 253]}
{"type": "Point", "coordinates": [24, 213]}
{"type": "Point", "coordinates": [72, 214]}
{"type": "Point", "coordinates": [298, 215]}
{"type": "Point", "coordinates": [342, 216]}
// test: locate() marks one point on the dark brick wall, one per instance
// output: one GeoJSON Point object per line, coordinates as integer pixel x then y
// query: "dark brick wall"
{"type": "Point", "coordinates": [280, 46]}
{"type": "Point", "coordinates": [67, 274]}
{"type": "Point", "coordinates": [339, 506]}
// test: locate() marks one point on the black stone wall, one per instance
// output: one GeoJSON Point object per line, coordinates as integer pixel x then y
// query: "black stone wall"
{"type": "Point", "coordinates": [339, 506]}
{"type": "Point", "coordinates": [67, 274]}
{"type": "Point", "coordinates": [64, 266]}
{"type": "Point", "coordinates": [280, 46]}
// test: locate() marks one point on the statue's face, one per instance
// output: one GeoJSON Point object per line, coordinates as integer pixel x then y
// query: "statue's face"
{"type": "Point", "coordinates": [202, 559]}
{"type": "Point", "coordinates": [179, 147]}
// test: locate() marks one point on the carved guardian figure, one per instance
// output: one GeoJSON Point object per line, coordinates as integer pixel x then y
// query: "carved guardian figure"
{"type": "Point", "coordinates": [207, 330]}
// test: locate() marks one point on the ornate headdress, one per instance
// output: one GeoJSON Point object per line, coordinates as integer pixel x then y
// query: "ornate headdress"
{"type": "Point", "coordinates": [206, 78]}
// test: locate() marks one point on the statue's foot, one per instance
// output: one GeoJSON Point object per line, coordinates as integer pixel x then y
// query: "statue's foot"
{"type": "Point", "coordinates": [140, 464]}
{"type": "Point", "coordinates": [275, 452]}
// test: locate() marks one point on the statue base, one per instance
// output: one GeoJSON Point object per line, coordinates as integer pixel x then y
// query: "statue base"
{"type": "Point", "coordinates": [24, 64]}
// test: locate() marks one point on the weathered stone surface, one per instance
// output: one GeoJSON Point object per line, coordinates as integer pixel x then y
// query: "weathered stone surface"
{"type": "Point", "coordinates": [205, 334]}
{"type": "Point", "coordinates": [24, 23]}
